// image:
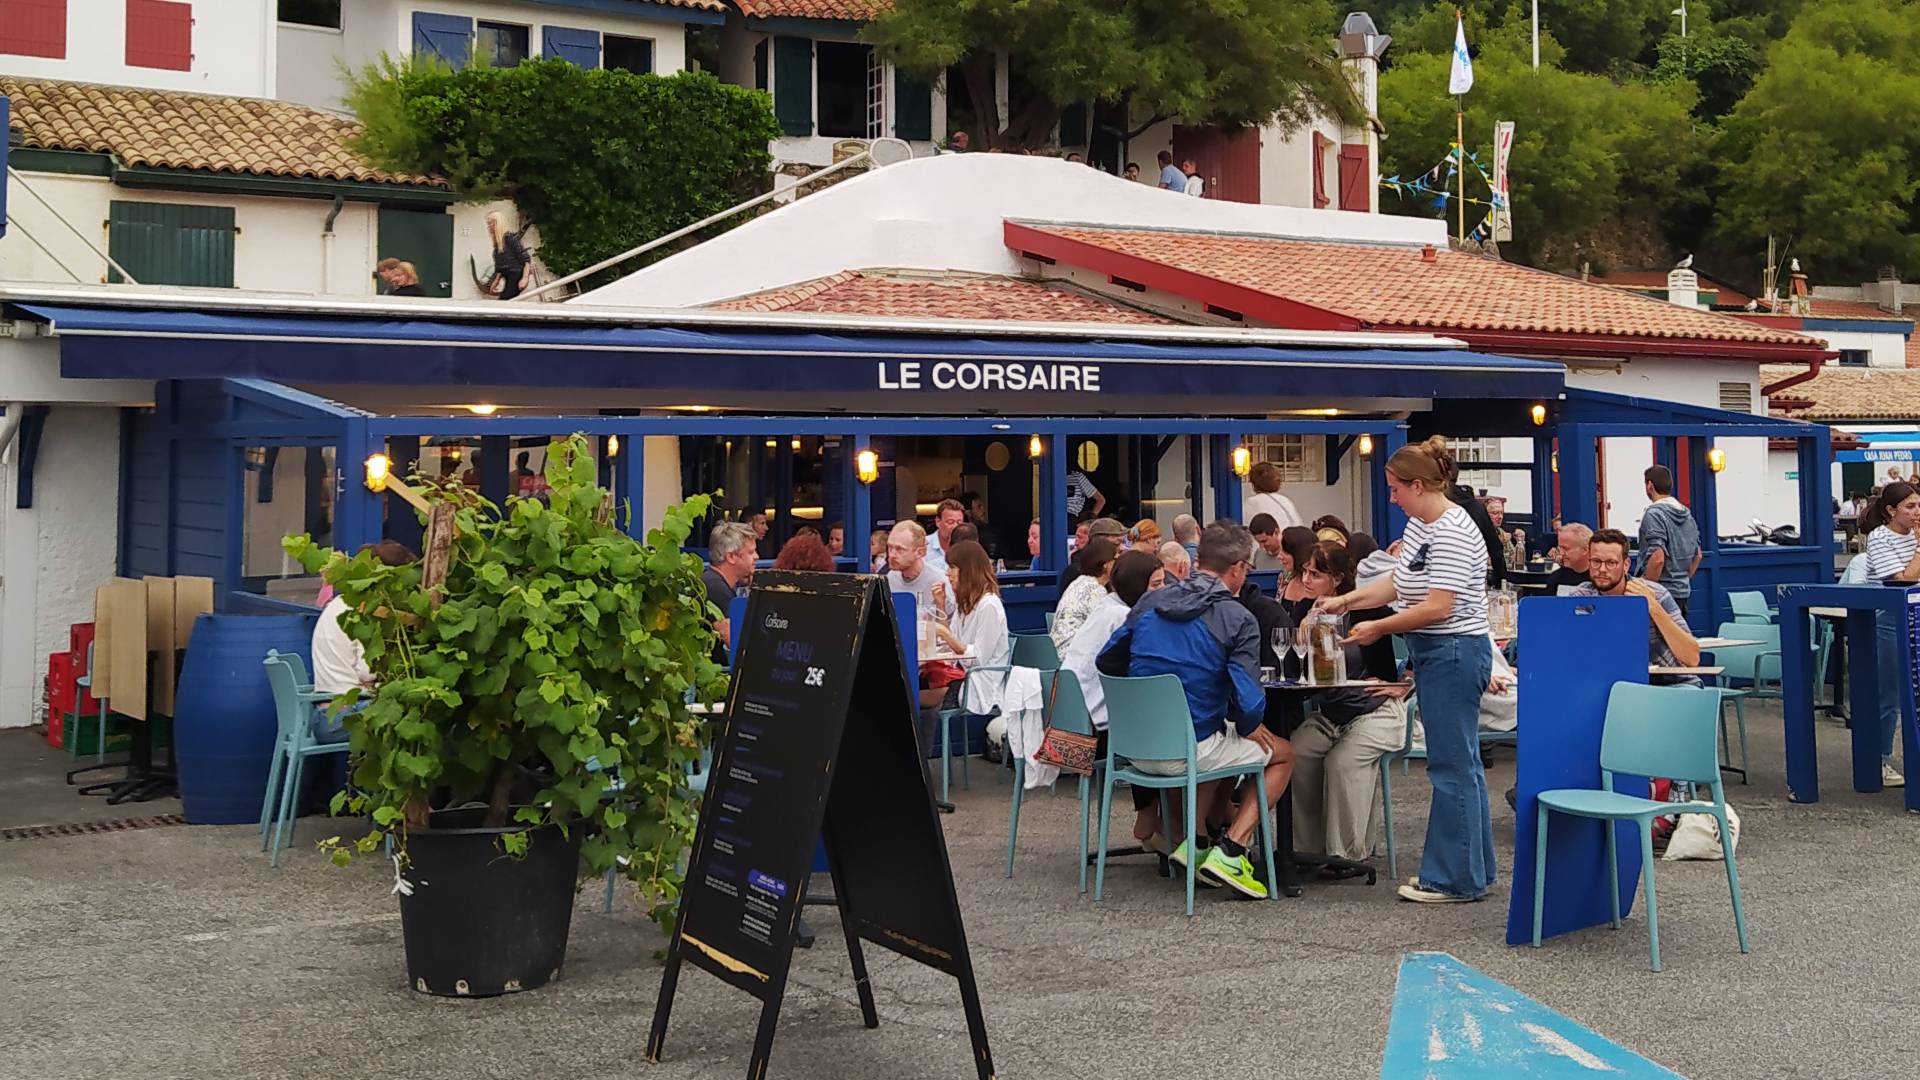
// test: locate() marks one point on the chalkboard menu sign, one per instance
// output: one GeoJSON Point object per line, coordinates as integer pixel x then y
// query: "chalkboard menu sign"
{"type": "Point", "coordinates": [819, 743]}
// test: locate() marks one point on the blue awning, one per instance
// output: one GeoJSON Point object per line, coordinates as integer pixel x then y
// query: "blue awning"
{"type": "Point", "coordinates": [125, 343]}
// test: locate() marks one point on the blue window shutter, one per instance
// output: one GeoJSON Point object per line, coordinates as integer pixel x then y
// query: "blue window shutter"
{"type": "Point", "coordinates": [449, 37]}
{"type": "Point", "coordinates": [580, 47]}
{"type": "Point", "coordinates": [793, 84]}
{"type": "Point", "coordinates": [913, 107]}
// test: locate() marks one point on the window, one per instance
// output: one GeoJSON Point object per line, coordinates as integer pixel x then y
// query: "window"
{"type": "Point", "coordinates": [171, 244]}
{"type": "Point", "coordinates": [1738, 396]}
{"type": "Point", "coordinates": [322, 13]}
{"type": "Point", "coordinates": [34, 28]}
{"type": "Point", "coordinates": [1855, 357]}
{"type": "Point", "coordinates": [627, 54]}
{"type": "Point", "coordinates": [289, 489]}
{"type": "Point", "coordinates": [1467, 451]}
{"type": "Point", "coordinates": [160, 34]}
{"type": "Point", "coordinates": [501, 45]}
{"type": "Point", "coordinates": [843, 94]}
{"type": "Point", "coordinates": [1293, 453]}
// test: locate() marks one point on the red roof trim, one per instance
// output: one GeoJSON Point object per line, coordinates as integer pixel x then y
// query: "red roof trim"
{"type": "Point", "coordinates": [1252, 303]}
{"type": "Point", "coordinates": [1526, 342]}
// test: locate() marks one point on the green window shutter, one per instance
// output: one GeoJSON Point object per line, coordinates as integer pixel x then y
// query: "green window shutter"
{"type": "Point", "coordinates": [913, 107]}
{"type": "Point", "coordinates": [793, 84]}
{"type": "Point", "coordinates": [170, 244]}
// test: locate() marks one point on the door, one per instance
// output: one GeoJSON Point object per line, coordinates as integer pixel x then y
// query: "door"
{"type": "Point", "coordinates": [1229, 161]}
{"type": "Point", "coordinates": [423, 239]}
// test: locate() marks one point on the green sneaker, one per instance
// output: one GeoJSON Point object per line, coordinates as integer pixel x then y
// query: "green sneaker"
{"type": "Point", "coordinates": [1179, 859]}
{"type": "Point", "coordinates": [1235, 871]}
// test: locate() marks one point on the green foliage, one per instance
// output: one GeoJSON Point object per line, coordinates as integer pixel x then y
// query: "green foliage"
{"type": "Point", "coordinates": [600, 160]}
{"type": "Point", "coordinates": [1585, 146]}
{"type": "Point", "coordinates": [1721, 63]}
{"type": "Point", "coordinates": [1599, 36]}
{"type": "Point", "coordinates": [1825, 148]}
{"type": "Point", "coordinates": [559, 640]}
{"type": "Point", "coordinates": [1204, 62]}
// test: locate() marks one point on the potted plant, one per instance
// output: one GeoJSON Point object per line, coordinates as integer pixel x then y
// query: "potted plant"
{"type": "Point", "coordinates": [529, 717]}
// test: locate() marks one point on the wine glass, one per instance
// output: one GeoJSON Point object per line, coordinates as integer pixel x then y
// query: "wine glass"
{"type": "Point", "coordinates": [1281, 650]}
{"type": "Point", "coordinates": [1302, 648]}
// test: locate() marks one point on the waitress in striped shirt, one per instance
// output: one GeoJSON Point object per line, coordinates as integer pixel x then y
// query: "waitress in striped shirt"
{"type": "Point", "coordinates": [1439, 595]}
{"type": "Point", "coordinates": [1893, 553]}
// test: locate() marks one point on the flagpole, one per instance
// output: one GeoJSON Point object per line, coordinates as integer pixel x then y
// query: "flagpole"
{"type": "Point", "coordinates": [1460, 144]}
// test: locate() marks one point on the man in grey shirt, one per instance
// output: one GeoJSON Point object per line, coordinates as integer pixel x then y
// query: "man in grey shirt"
{"type": "Point", "coordinates": [1669, 538]}
{"type": "Point", "coordinates": [909, 572]}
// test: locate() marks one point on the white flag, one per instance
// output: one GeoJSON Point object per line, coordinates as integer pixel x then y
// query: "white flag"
{"type": "Point", "coordinates": [1460, 80]}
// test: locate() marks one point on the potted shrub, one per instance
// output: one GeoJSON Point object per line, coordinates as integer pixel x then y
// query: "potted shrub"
{"type": "Point", "coordinates": [529, 719]}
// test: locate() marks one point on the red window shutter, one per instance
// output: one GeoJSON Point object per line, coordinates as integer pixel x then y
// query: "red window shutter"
{"type": "Point", "coordinates": [34, 28]}
{"type": "Point", "coordinates": [1320, 199]}
{"type": "Point", "coordinates": [160, 34]}
{"type": "Point", "coordinates": [1355, 193]}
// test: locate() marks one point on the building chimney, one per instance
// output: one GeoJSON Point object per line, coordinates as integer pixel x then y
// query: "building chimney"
{"type": "Point", "coordinates": [1800, 296]}
{"type": "Point", "coordinates": [1888, 289]}
{"type": "Point", "coordinates": [1683, 287]}
{"type": "Point", "coordinates": [1429, 255]}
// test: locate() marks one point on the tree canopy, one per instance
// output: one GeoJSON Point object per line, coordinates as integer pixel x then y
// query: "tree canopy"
{"type": "Point", "coordinates": [1198, 60]}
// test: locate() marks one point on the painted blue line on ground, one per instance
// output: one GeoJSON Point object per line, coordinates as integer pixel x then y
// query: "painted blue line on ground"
{"type": "Point", "coordinates": [1450, 1022]}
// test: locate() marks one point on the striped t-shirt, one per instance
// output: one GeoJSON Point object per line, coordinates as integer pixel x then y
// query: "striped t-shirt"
{"type": "Point", "coordinates": [1888, 552]}
{"type": "Point", "coordinates": [1449, 554]}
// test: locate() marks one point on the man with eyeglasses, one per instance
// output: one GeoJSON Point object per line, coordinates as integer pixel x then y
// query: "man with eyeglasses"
{"type": "Point", "coordinates": [1669, 642]}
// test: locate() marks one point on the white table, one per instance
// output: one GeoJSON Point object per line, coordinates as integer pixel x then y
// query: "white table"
{"type": "Point", "coordinates": [1725, 642]}
{"type": "Point", "coordinates": [1656, 669]}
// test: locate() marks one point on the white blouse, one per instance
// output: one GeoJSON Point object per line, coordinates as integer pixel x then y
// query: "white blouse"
{"type": "Point", "coordinates": [984, 632]}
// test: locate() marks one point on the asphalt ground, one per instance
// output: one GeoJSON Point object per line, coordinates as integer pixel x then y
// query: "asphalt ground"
{"type": "Point", "coordinates": [178, 952]}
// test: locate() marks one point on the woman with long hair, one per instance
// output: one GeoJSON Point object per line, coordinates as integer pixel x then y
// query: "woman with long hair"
{"type": "Point", "coordinates": [978, 630]}
{"type": "Point", "coordinates": [512, 266]}
{"type": "Point", "coordinates": [1296, 545]}
{"type": "Point", "coordinates": [1337, 749]}
{"type": "Point", "coordinates": [1095, 563]}
{"type": "Point", "coordinates": [805, 551]}
{"type": "Point", "coordinates": [1893, 553]}
{"type": "Point", "coordinates": [1439, 591]}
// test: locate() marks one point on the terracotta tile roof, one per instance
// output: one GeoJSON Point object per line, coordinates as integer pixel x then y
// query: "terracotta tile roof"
{"type": "Point", "coordinates": [1657, 279]}
{"type": "Point", "coordinates": [865, 292]}
{"type": "Point", "coordinates": [1395, 287]}
{"type": "Point", "coordinates": [1850, 393]}
{"type": "Point", "coordinates": [1822, 308]}
{"type": "Point", "coordinates": [844, 10]}
{"type": "Point", "coordinates": [171, 130]}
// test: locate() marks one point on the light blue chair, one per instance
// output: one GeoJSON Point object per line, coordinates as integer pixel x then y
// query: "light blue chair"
{"type": "Point", "coordinates": [1404, 757]}
{"type": "Point", "coordinates": [1067, 710]}
{"type": "Point", "coordinates": [1665, 731]}
{"type": "Point", "coordinates": [85, 683]}
{"type": "Point", "coordinates": [1147, 720]}
{"type": "Point", "coordinates": [947, 717]}
{"type": "Point", "coordinates": [293, 701]}
{"type": "Point", "coordinates": [1030, 651]}
{"type": "Point", "coordinates": [1750, 607]}
{"type": "Point", "coordinates": [695, 788]}
{"type": "Point", "coordinates": [1757, 666]}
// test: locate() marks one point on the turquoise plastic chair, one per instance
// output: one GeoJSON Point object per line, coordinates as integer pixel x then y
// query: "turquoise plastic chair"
{"type": "Point", "coordinates": [1758, 666]}
{"type": "Point", "coordinates": [695, 788]}
{"type": "Point", "coordinates": [947, 716]}
{"type": "Point", "coordinates": [1750, 607]}
{"type": "Point", "coordinates": [1147, 719]}
{"type": "Point", "coordinates": [1650, 731]}
{"type": "Point", "coordinates": [1067, 711]}
{"type": "Point", "coordinates": [85, 683]}
{"type": "Point", "coordinates": [1034, 651]}
{"type": "Point", "coordinates": [292, 746]}
{"type": "Point", "coordinates": [1404, 757]}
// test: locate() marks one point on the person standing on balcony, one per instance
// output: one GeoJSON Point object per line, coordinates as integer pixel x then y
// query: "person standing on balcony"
{"type": "Point", "coordinates": [513, 267]}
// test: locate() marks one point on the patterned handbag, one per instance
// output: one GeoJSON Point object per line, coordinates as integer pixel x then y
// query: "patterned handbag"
{"type": "Point", "coordinates": [1068, 751]}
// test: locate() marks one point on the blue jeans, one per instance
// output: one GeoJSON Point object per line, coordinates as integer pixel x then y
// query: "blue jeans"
{"type": "Point", "coordinates": [1892, 657]}
{"type": "Point", "coordinates": [1450, 672]}
{"type": "Point", "coordinates": [331, 729]}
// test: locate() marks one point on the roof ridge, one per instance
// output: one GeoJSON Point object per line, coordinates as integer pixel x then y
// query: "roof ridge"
{"type": "Point", "coordinates": [13, 77]}
{"type": "Point", "coordinates": [1231, 234]}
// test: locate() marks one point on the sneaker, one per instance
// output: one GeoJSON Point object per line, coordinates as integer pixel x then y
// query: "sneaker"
{"type": "Point", "coordinates": [1419, 895]}
{"type": "Point", "coordinates": [1234, 871]}
{"type": "Point", "coordinates": [1156, 845]}
{"type": "Point", "coordinates": [1179, 859]}
{"type": "Point", "coordinates": [1889, 777]}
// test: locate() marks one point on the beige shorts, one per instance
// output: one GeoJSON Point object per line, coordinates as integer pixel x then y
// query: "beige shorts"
{"type": "Point", "coordinates": [1225, 749]}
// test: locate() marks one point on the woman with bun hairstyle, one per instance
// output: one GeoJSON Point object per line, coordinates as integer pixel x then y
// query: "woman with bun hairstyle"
{"type": "Point", "coordinates": [1438, 591]}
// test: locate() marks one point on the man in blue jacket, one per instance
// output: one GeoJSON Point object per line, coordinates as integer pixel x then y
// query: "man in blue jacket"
{"type": "Point", "coordinates": [1195, 630]}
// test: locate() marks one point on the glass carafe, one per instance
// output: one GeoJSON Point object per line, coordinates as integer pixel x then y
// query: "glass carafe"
{"type": "Point", "coordinates": [1326, 656]}
{"type": "Point", "coordinates": [1503, 613]}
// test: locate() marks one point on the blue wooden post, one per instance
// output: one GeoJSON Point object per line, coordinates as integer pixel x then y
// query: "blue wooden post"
{"type": "Point", "coordinates": [357, 511]}
{"type": "Point", "coordinates": [1054, 530]}
{"type": "Point", "coordinates": [1708, 608]}
{"type": "Point", "coordinates": [404, 452]}
{"type": "Point", "coordinates": [1816, 496]}
{"type": "Point", "coordinates": [1226, 486]}
{"type": "Point", "coordinates": [630, 474]}
{"type": "Point", "coordinates": [1544, 511]}
{"type": "Point", "coordinates": [858, 509]}
{"type": "Point", "coordinates": [1579, 475]}
{"type": "Point", "coordinates": [1389, 521]}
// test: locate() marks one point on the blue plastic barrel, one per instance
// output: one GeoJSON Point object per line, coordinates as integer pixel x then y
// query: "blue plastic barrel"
{"type": "Point", "coordinates": [224, 721]}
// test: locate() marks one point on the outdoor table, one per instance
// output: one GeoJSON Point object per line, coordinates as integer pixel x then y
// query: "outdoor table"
{"type": "Point", "coordinates": [1291, 860]}
{"type": "Point", "coordinates": [1712, 643]}
{"type": "Point", "coordinates": [1701, 671]}
{"type": "Point", "coordinates": [1858, 605]}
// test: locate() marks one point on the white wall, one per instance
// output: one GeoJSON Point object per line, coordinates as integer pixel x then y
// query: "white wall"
{"type": "Point", "coordinates": [233, 50]}
{"type": "Point", "coordinates": [1286, 164]}
{"type": "Point", "coordinates": [53, 556]}
{"type": "Point", "coordinates": [947, 213]}
{"type": "Point", "coordinates": [281, 243]}
{"type": "Point", "coordinates": [1886, 350]}
{"type": "Point", "coordinates": [310, 72]}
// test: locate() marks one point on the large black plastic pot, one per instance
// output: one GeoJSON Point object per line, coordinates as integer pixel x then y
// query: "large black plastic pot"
{"type": "Point", "coordinates": [479, 922]}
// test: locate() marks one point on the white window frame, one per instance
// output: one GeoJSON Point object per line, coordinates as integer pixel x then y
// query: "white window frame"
{"type": "Point", "coordinates": [1299, 457]}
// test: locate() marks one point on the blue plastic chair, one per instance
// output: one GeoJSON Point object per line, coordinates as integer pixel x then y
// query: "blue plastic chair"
{"type": "Point", "coordinates": [1067, 710]}
{"type": "Point", "coordinates": [947, 717]}
{"type": "Point", "coordinates": [1034, 651]}
{"type": "Point", "coordinates": [1750, 607]}
{"type": "Point", "coordinates": [292, 746]}
{"type": "Point", "coordinates": [1147, 720]}
{"type": "Point", "coordinates": [695, 788]}
{"type": "Point", "coordinates": [1404, 757]}
{"type": "Point", "coordinates": [1758, 666]}
{"type": "Point", "coordinates": [1650, 731]}
{"type": "Point", "coordinates": [85, 683]}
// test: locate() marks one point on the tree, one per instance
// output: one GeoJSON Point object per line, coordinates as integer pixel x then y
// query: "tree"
{"type": "Point", "coordinates": [601, 161]}
{"type": "Point", "coordinates": [1599, 36]}
{"type": "Point", "coordinates": [1586, 148]}
{"type": "Point", "coordinates": [1721, 64]}
{"type": "Point", "coordinates": [1146, 60]}
{"type": "Point", "coordinates": [1825, 148]}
